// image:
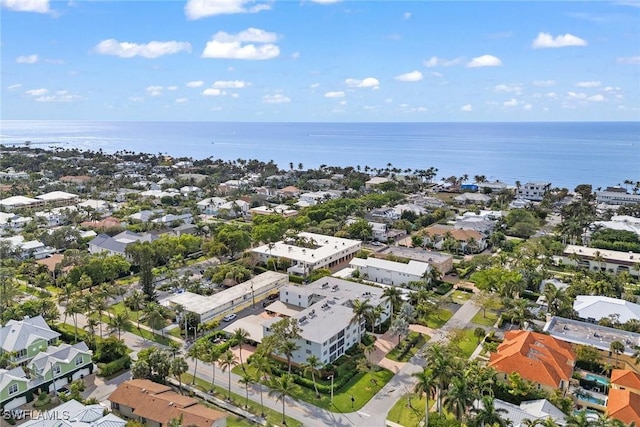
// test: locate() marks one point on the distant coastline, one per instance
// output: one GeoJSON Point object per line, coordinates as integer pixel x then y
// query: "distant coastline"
{"type": "Point", "coordinates": [564, 153]}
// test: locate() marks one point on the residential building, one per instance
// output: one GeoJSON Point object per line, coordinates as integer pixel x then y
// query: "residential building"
{"type": "Point", "coordinates": [473, 198]}
{"type": "Point", "coordinates": [28, 249]}
{"type": "Point", "coordinates": [470, 241]}
{"type": "Point", "coordinates": [323, 309]}
{"type": "Point", "coordinates": [623, 405]}
{"type": "Point", "coordinates": [26, 338]}
{"type": "Point", "coordinates": [145, 215]}
{"type": "Point", "coordinates": [442, 262]}
{"type": "Point", "coordinates": [56, 216]}
{"type": "Point", "coordinates": [210, 205]}
{"type": "Point", "coordinates": [410, 207]}
{"type": "Point", "coordinates": [315, 197]}
{"type": "Point", "coordinates": [620, 223]}
{"type": "Point", "coordinates": [600, 337]}
{"type": "Point", "coordinates": [534, 191]}
{"type": "Point", "coordinates": [375, 181]}
{"type": "Point", "coordinates": [80, 180]}
{"type": "Point", "coordinates": [100, 206]}
{"type": "Point", "coordinates": [492, 187]}
{"type": "Point", "coordinates": [390, 214]}
{"type": "Point", "coordinates": [390, 272]}
{"type": "Point", "coordinates": [531, 410]}
{"type": "Point", "coordinates": [600, 259]}
{"type": "Point", "coordinates": [625, 379]}
{"type": "Point", "coordinates": [539, 358]}
{"type": "Point", "coordinates": [309, 251]}
{"type": "Point", "coordinates": [229, 300]}
{"type": "Point", "coordinates": [49, 370]}
{"type": "Point", "coordinates": [11, 223]}
{"type": "Point", "coordinates": [186, 218]}
{"type": "Point", "coordinates": [155, 405]}
{"type": "Point", "coordinates": [617, 198]}
{"type": "Point", "coordinates": [592, 308]}
{"type": "Point", "coordinates": [159, 194]}
{"type": "Point", "coordinates": [191, 189]}
{"type": "Point", "coordinates": [58, 198]}
{"type": "Point", "coordinates": [117, 244]}
{"type": "Point", "coordinates": [10, 174]}
{"type": "Point", "coordinates": [289, 191]}
{"type": "Point", "coordinates": [520, 204]}
{"type": "Point", "coordinates": [17, 202]}
{"type": "Point", "coordinates": [282, 210]}
{"type": "Point", "coordinates": [74, 414]}
{"type": "Point", "coordinates": [379, 230]}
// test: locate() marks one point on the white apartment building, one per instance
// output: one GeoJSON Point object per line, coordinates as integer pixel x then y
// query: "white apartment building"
{"type": "Point", "coordinates": [617, 198]}
{"type": "Point", "coordinates": [309, 251]}
{"type": "Point", "coordinates": [390, 272]}
{"type": "Point", "coordinates": [326, 320]}
{"type": "Point", "coordinates": [533, 191]}
{"type": "Point", "coordinates": [601, 259]}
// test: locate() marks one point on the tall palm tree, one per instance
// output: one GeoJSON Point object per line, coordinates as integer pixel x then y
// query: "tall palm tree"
{"type": "Point", "coordinates": [136, 301]}
{"type": "Point", "coordinates": [212, 355]}
{"type": "Point", "coordinates": [617, 348]}
{"type": "Point", "coordinates": [154, 316]}
{"type": "Point", "coordinates": [282, 387]}
{"type": "Point", "coordinates": [287, 348]}
{"type": "Point", "coordinates": [73, 308]}
{"type": "Point", "coordinates": [246, 379]}
{"type": "Point", "coordinates": [227, 362]}
{"type": "Point", "coordinates": [376, 315]}
{"type": "Point", "coordinates": [195, 352]}
{"type": "Point", "coordinates": [427, 385]}
{"type": "Point", "coordinates": [395, 297]}
{"type": "Point", "coordinates": [360, 310]}
{"type": "Point", "coordinates": [262, 368]}
{"type": "Point", "coordinates": [439, 360]}
{"type": "Point", "coordinates": [556, 299]}
{"type": "Point", "coordinates": [178, 367]}
{"type": "Point", "coordinates": [486, 414]}
{"type": "Point", "coordinates": [312, 365]}
{"type": "Point", "coordinates": [120, 322]}
{"type": "Point", "coordinates": [240, 335]}
{"type": "Point", "coordinates": [458, 397]}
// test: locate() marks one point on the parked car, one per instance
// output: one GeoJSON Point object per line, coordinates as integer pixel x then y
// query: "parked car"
{"type": "Point", "coordinates": [229, 317]}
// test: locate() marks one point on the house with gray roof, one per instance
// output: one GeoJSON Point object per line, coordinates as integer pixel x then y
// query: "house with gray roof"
{"type": "Point", "coordinates": [117, 244]}
{"type": "Point", "coordinates": [595, 307]}
{"type": "Point", "coordinates": [26, 338]}
{"type": "Point", "coordinates": [531, 410]}
{"type": "Point", "coordinates": [76, 414]}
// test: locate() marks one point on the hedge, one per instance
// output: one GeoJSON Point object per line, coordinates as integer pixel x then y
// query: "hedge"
{"type": "Point", "coordinates": [296, 279]}
{"type": "Point", "coordinates": [443, 288]}
{"type": "Point", "coordinates": [118, 365]}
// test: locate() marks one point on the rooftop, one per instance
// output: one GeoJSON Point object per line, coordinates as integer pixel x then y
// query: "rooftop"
{"type": "Point", "coordinates": [326, 246]}
{"type": "Point", "coordinates": [19, 334]}
{"type": "Point", "coordinates": [596, 307]}
{"type": "Point", "coordinates": [607, 255]}
{"type": "Point", "coordinates": [414, 268]}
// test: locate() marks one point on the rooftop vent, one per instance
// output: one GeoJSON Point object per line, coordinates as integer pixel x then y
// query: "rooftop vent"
{"type": "Point", "coordinates": [302, 319]}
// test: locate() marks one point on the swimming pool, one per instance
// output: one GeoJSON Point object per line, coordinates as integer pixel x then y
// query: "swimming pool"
{"type": "Point", "coordinates": [598, 379]}
{"type": "Point", "coordinates": [590, 399]}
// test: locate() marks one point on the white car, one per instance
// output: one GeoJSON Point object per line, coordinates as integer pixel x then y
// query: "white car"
{"type": "Point", "coordinates": [229, 317]}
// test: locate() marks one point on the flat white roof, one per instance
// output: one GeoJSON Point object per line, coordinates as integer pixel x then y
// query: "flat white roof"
{"type": "Point", "coordinates": [596, 307]}
{"type": "Point", "coordinates": [56, 195]}
{"type": "Point", "coordinates": [604, 253]}
{"type": "Point", "coordinates": [18, 200]}
{"type": "Point", "coordinates": [327, 247]}
{"type": "Point", "coordinates": [415, 268]}
{"type": "Point", "coordinates": [252, 324]}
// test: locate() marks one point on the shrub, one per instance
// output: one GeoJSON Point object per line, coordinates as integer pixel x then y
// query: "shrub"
{"type": "Point", "coordinates": [464, 289]}
{"type": "Point", "coordinates": [111, 368]}
{"type": "Point", "coordinates": [443, 288]}
{"type": "Point", "coordinates": [296, 279]}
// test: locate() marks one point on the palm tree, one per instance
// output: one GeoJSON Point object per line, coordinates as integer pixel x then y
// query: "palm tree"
{"type": "Point", "coordinates": [458, 397]}
{"type": "Point", "coordinates": [178, 367]}
{"type": "Point", "coordinates": [227, 362]}
{"type": "Point", "coordinates": [312, 365]}
{"type": "Point", "coordinates": [486, 414]}
{"type": "Point", "coordinates": [617, 348]}
{"type": "Point", "coordinates": [154, 315]}
{"type": "Point", "coordinates": [136, 301]}
{"type": "Point", "coordinates": [376, 315]}
{"type": "Point", "coordinates": [240, 335]}
{"type": "Point", "coordinates": [556, 299]}
{"type": "Point", "coordinates": [440, 362]}
{"type": "Point", "coordinates": [426, 385]}
{"type": "Point", "coordinates": [519, 311]}
{"type": "Point", "coordinates": [579, 420]}
{"type": "Point", "coordinates": [73, 308]}
{"type": "Point", "coordinates": [360, 310]}
{"type": "Point", "coordinates": [91, 325]}
{"type": "Point", "coordinates": [288, 348]}
{"type": "Point", "coordinates": [120, 322]}
{"type": "Point", "coordinates": [395, 297]}
{"type": "Point", "coordinates": [212, 355]}
{"type": "Point", "coordinates": [247, 380]}
{"type": "Point", "coordinates": [282, 387]}
{"type": "Point", "coordinates": [195, 352]}
{"type": "Point", "coordinates": [262, 368]}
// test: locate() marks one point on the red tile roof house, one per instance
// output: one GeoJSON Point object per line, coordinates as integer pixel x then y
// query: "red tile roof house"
{"type": "Point", "coordinates": [538, 358]}
{"type": "Point", "coordinates": [624, 396]}
{"type": "Point", "coordinates": [155, 405]}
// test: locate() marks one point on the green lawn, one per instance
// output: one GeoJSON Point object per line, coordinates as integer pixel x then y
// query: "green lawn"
{"type": "Point", "coordinates": [361, 387]}
{"type": "Point", "coordinates": [437, 318]}
{"type": "Point", "coordinates": [175, 332]}
{"type": "Point", "coordinates": [489, 320]}
{"type": "Point", "coordinates": [143, 333]}
{"type": "Point", "coordinates": [120, 308]}
{"type": "Point", "coordinates": [273, 417]}
{"type": "Point", "coordinates": [408, 416]}
{"type": "Point", "coordinates": [396, 352]}
{"type": "Point", "coordinates": [468, 344]}
{"type": "Point", "coordinates": [460, 297]}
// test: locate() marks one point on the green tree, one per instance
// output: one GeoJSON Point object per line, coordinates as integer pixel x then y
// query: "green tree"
{"type": "Point", "coordinates": [240, 336]}
{"type": "Point", "coordinates": [426, 384]}
{"type": "Point", "coordinates": [153, 364]}
{"type": "Point", "coordinates": [312, 365]}
{"type": "Point", "coordinates": [617, 348]}
{"type": "Point", "coordinates": [458, 397]}
{"type": "Point", "coordinates": [486, 414]}
{"type": "Point", "coordinates": [395, 298]}
{"type": "Point", "coordinates": [178, 367]}
{"type": "Point", "coordinates": [212, 354]}
{"type": "Point", "coordinates": [227, 362]}
{"type": "Point", "coordinates": [120, 322]}
{"type": "Point", "coordinates": [196, 352]}
{"type": "Point", "coordinates": [282, 387]}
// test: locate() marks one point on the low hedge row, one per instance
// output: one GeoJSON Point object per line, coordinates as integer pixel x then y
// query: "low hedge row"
{"type": "Point", "coordinates": [407, 344]}
{"type": "Point", "coordinates": [338, 382]}
{"type": "Point", "coordinates": [296, 279]}
{"type": "Point", "coordinates": [443, 288]}
{"type": "Point", "coordinates": [118, 365]}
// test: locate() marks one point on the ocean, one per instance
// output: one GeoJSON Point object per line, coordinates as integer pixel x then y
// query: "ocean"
{"type": "Point", "coordinates": [565, 154]}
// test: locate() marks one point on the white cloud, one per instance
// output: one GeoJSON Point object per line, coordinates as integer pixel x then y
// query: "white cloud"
{"type": "Point", "coordinates": [315, 85]}
{"type": "Point", "coordinates": [611, 88]}
{"type": "Point", "coordinates": [467, 108]}
{"type": "Point", "coordinates": [406, 15]}
{"type": "Point", "coordinates": [367, 82]}
{"type": "Point", "coordinates": [413, 76]}
{"type": "Point", "coordinates": [235, 95]}
{"type": "Point", "coordinates": [61, 96]}
{"type": "Point", "coordinates": [588, 84]}
{"type": "Point", "coordinates": [576, 95]}
{"type": "Point", "coordinates": [154, 90]}
{"type": "Point", "coordinates": [484, 61]}
{"type": "Point", "coordinates": [181, 100]}
{"type": "Point", "coordinates": [325, 1]}
{"type": "Point", "coordinates": [546, 40]}
{"type": "Point", "coordinates": [149, 50]}
{"type": "Point", "coordinates": [508, 88]}
{"type": "Point", "coordinates": [434, 61]}
{"type": "Point", "coordinates": [15, 86]}
{"type": "Point", "coordinates": [37, 92]}
{"type": "Point", "coordinates": [596, 98]}
{"type": "Point", "coordinates": [629, 60]}
{"type": "Point", "coordinates": [511, 103]}
{"type": "Point", "coordinates": [27, 59]}
{"type": "Point", "coordinates": [527, 107]}
{"type": "Point", "coordinates": [343, 102]}
{"type": "Point", "coordinates": [38, 6]}
{"type": "Point", "coordinates": [195, 83]}
{"type": "Point", "coordinates": [172, 87]}
{"type": "Point", "coordinates": [551, 95]}
{"type": "Point", "coordinates": [334, 94]}
{"type": "Point", "coordinates": [544, 83]}
{"type": "Point", "coordinates": [241, 45]}
{"type": "Point", "coordinates": [212, 92]}
{"type": "Point", "coordinates": [388, 101]}
{"type": "Point", "coordinates": [136, 99]}
{"type": "Point", "coordinates": [277, 98]}
{"type": "Point", "coordinates": [196, 9]}
{"type": "Point", "coordinates": [230, 84]}
{"type": "Point", "coordinates": [295, 55]}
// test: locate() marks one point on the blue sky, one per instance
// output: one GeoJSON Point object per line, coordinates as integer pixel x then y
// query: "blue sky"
{"type": "Point", "coordinates": [323, 60]}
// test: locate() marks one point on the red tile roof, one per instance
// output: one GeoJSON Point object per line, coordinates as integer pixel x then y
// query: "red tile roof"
{"type": "Point", "coordinates": [625, 378]}
{"type": "Point", "coordinates": [536, 357]}
{"type": "Point", "coordinates": [623, 405]}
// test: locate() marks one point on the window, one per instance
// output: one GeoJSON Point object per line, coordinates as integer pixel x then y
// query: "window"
{"type": "Point", "coordinates": [56, 370]}
{"type": "Point", "coordinates": [115, 406]}
{"type": "Point", "coordinates": [13, 389]}
{"type": "Point", "coordinates": [308, 351]}
{"type": "Point", "coordinates": [79, 360]}
{"type": "Point", "coordinates": [308, 342]}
